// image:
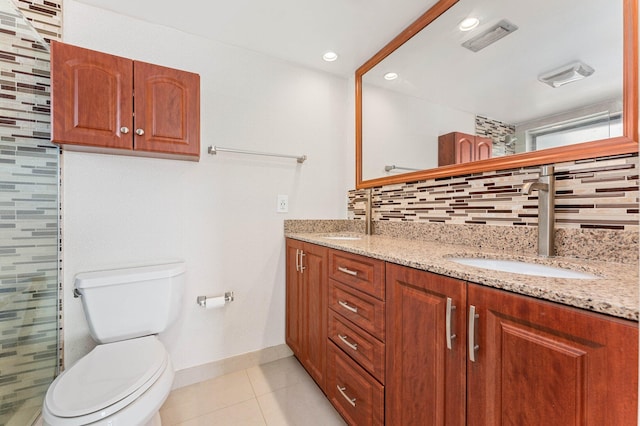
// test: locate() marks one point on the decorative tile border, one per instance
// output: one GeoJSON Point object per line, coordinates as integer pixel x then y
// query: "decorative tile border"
{"type": "Point", "coordinates": [497, 131]}
{"type": "Point", "coordinates": [29, 212]}
{"type": "Point", "coordinates": [596, 208]}
{"type": "Point", "coordinates": [600, 193]}
{"type": "Point", "coordinates": [44, 15]}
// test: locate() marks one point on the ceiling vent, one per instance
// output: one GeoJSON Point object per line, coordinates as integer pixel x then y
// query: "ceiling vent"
{"type": "Point", "coordinates": [567, 74]}
{"type": "Point", "coordinates": [490, 36]}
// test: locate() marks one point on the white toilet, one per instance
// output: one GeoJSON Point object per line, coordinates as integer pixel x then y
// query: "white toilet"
{"type": "Point", "coordinates": [126, 378]}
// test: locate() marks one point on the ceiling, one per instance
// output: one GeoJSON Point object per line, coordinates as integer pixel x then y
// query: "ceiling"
{"type": "Point", "coordinates": [292, 30]}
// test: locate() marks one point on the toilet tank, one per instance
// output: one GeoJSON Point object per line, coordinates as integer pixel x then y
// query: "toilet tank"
{"type": "Point", "coordinates": [122, 304]}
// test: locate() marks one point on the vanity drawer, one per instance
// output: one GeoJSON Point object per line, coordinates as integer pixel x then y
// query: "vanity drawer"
{"type": "Point", "coordinates": [363, 310]}
{"type": "Point", "coordinates": [359, 272]}
{"type": "Point", "coordinates": [357, 396]}
{"type": "Point", "coordinates": [365, 349]}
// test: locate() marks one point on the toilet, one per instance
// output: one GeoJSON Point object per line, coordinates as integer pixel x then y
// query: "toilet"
{"type": "Point", "coordinates": [126, 378]}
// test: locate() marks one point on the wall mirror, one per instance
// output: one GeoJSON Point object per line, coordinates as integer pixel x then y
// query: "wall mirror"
{"type": "Point", "coordinates": [528, 83]}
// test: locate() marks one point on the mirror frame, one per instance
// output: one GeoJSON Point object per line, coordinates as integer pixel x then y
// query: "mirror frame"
{"type": "Point", "coordinates": [625, 144]}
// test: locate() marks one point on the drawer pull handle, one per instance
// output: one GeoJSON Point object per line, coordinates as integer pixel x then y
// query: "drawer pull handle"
{"type": "Point", "coordinates": [348, 271]}
{"type": "Point", "coordinates": [353, 346]}
{"type": "Point", "coordinates": [351, 401]}
{"type": "Point", "coordinates": [348, 307]}
{"type": "Point", "coordinates": [473, 347]}
{"type": "Point", "coordinates": [449, 318]}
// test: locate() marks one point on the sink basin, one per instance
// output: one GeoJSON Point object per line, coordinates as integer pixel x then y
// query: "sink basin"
{"type": "Point", "coordinates": [343, 237]}
{"type": "Point", "coordinates": [524, 268]}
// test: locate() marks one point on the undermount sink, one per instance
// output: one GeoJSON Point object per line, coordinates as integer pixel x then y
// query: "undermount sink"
{"type": "Point", "coordinates": [343, 237]}
{"type": "Point", "coordinates": [524, 268]}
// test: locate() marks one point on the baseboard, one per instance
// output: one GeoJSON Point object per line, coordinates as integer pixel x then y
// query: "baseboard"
{"type": "Point", "coordinates": [203, 372]}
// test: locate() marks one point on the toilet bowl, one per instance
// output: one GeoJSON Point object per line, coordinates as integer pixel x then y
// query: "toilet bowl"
{"type": "Point", "coordinates": [121, 382]}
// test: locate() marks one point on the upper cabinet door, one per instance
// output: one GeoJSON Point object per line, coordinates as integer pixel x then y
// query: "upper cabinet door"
{"type": "Point", "coordinates": [167, 110]}
{"type": "Point", "coordinates": [91, 97]}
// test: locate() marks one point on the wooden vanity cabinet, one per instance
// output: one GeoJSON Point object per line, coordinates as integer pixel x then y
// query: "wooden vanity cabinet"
{"type": "Point", "coordinates": [515, 360]}
{"type": "Point", "coordinates": [109, 104]}
{"type": "Point", "coordinates": [457, 148]}
{"type": "Point", "coordinates": [409, 347]}
{"type": "Point", "coordinates": [356, 331]}
{"type": "Point", "coordinates": [426, 348]}
{"type": "Point", "coordinates": [306, 306]}
{"type": "Point", "coordinates": [546, 364]}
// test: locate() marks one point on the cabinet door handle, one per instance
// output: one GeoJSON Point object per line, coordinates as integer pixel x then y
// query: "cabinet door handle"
{"type": "Point", "coordinates": [124, 130]}
{"type": "Point", "coordinates": [348, 271]}
{"type": "Point", "coordinates": [302, 267]}
{"type": "Point", "coordinates": [297, 260]}
{"type": "Point", "coordinates": [139, 132]}
{"type": "Point", "coordinates": [350, 400]}
{"type": "Point", "coordinates": [449, 318]}
{"type": "Point", "coordinates": [348, 307]}
{"type": "Point", "coordinates": [473, 348]}
{"type": "Point", "coordinates": [353, 346]}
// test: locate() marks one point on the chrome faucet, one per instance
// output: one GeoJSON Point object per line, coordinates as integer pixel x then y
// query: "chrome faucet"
{"type": "Point", "coordinates": [546, 209]}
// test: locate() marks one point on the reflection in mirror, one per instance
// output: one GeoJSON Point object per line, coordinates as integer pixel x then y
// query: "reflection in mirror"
{"type": "Point", "coordinates": [532, 75]}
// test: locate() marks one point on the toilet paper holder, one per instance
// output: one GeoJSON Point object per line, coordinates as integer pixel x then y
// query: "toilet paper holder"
{"type": "Point", "coordinates": [202, 300]}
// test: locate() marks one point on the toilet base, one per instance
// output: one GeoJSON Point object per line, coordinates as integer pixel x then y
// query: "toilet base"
{"type": "Point", "coordinates": [155, 420]}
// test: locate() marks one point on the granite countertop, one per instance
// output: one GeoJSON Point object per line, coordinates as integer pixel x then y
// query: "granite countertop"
{"type": "Point", "coordinates": [615, 293]}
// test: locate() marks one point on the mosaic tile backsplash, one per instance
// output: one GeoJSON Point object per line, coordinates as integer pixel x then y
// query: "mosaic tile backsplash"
{"type": "Point", "coordinates": [598, 193]}
{"type": "Point", "coordinates": [29, 211]}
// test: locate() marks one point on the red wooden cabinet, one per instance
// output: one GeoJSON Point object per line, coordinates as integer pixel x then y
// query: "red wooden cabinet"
{"type": "Point", "coordinates": [457, 148]}
{"type": "Point", "coordinates": [426, 344]}
{"type": "Point", "coordinates": [106, 103]}
{"type": "Point", "coordinates": [306, 306]}
{"type": "Point", "coordinates": [546, 364]}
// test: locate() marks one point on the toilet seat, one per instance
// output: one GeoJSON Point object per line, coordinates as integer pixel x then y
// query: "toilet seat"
{"type": "Point", "coordinates": [106, 380]}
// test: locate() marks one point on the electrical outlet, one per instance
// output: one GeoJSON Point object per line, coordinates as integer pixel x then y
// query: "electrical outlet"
{"type": "Point", "coordinates": [283, 204]}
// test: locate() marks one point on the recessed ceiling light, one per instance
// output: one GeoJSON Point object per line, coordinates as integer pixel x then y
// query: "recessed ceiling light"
{"type": "Point", "coordinates": [469, 24]}
{"type": "Point", "coordinates": [390, 76]}
{"type": "Point", "coordinates": [330, 56]}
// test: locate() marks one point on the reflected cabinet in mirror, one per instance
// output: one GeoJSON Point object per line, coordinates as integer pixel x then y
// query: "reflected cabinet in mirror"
{"type": "Point", "coordinates": [482, 85]}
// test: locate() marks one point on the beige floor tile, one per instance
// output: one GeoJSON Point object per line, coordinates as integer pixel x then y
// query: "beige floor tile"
{"type": "Point", "coordinates": [202, 398]}
{"type": "Point", "coordinates": [276, 375]}
{"type": "Point", "coordinates": [302, 404]}
{"type": "Point", "coordinates": [246, 413]}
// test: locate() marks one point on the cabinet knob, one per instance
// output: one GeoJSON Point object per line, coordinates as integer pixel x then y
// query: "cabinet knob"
{"type": "Point", "coordinates": [124, 130]}
{"type": "Point", "coordinates": [139, 132]}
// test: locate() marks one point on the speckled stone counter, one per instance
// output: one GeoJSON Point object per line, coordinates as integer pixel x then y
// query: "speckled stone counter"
{"type": "Point", "coordinates": [615, 293]}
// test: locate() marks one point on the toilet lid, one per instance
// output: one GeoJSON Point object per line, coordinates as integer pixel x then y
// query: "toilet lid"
{"type": "Point", "coordinates": [108, 374]}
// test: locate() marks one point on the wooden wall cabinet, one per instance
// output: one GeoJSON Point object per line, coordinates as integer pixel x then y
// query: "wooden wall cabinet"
{"type": "Point", "coordinates": [306, 306]}
{"type": "Point", "coordinates": [457, 148]}
{"type": "Point", "coordinates": [105, 103]}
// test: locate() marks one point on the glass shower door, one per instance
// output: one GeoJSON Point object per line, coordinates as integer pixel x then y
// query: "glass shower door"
{"type": "Point", "coordinates": [29, 212]}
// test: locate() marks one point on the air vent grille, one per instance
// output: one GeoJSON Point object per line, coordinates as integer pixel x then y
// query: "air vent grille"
{"type": "Point", "coordinates": [490, 36]}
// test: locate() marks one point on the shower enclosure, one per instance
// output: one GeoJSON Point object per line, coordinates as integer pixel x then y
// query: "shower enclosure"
{"type": "Point", "coordinates": [29, 226]}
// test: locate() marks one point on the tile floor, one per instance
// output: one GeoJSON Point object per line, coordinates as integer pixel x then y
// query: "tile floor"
{"type": "Point", "coordinates": [279, 393]}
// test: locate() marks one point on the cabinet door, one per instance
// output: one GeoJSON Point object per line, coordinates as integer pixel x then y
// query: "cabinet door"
{"type": "Point", "coordinates": [465, 148]}
{"type": "Point", "coordinates": [538, 363]}
{"type": "Point", "coordinates": [167, 108]}
{"type": "Point", "coordinates": [483, 148]}
{"type": "Point", "coordinates": [91, 97]}
{"type": "Point", "coordinates": [293, 326]}
{"type": "Point", "coordinates": [314, 312]}
{"type": "Point", "coordinates": [425, 375]}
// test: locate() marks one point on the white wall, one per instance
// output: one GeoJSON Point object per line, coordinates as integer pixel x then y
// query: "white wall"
{"type": "Point", "coordinates": [219, 214]}
{"type": "Point", "coordinates": [403, 130]}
